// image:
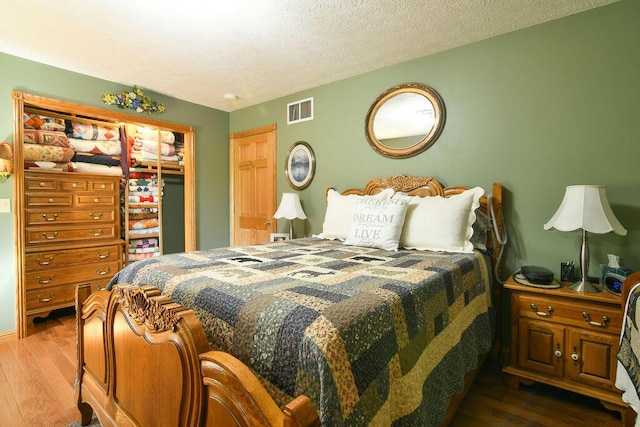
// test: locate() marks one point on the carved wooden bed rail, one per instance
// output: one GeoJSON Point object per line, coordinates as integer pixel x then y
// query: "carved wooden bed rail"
{"type": "Point", "coordinates": [137, 325]}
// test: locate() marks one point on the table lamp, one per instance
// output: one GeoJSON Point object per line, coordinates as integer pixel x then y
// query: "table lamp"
{"type": "Point", "coordinates": [585, 207]}
{"type": "Point", "coordinates": [290, 209]}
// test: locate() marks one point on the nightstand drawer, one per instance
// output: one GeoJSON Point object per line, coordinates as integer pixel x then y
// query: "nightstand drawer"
{"type": "Point", "coordinates": [594, 316]}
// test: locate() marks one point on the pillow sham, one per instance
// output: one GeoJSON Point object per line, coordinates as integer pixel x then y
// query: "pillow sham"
{"type": "Point", "coordinates": [441, 224]}
{"type": "Point", "coordinates": [377, 223]}
{"type": "Point", "coordinates": [339, 213]}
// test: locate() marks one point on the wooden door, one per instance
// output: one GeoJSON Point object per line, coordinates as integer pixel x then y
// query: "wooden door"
{"type": "Point", "coordinates": [253, 185]}
{"type": "Point", "coordinates": [541, 346]}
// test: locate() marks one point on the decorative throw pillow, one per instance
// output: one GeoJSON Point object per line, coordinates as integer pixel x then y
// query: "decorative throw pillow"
{"type": "Point", "coordinates": [441, 224]}
{"type": "Point", "coordinates": [340, 210]}
{"type": "Point", "coordinates": [378, 223]}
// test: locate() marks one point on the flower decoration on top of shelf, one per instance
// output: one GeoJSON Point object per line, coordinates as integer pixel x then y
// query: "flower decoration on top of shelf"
{"type": "Point", "coordinates": [135, 100]}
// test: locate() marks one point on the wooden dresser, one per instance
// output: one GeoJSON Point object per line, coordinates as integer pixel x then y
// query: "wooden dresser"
{"type": "Point", "coordinates": [72, 238]}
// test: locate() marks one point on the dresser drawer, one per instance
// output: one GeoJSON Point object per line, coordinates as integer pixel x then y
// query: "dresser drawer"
{"type": "Point", "coordinates": [601, 317]}
{"type": "Point", "coordinates": [84, 200]}
{"type": "Point", "coordinates": [70, 275]}
{"type": "Point", "coordinates": [38, 235]}
{"type": "Point", "coordinates": [103, 185]}
{"type": "Point", "coordinates": [40, 183]}
{"type": "Point", "coordinates": [73, 185]}
{"type": "Point", "coordinates": [48, 199]}
{"type": "Point", "coordinates": [51, 217]}
{"type": "Point", "coordinates": [51, 297]}
{"type": "Point", "coordinates": [47, 260]}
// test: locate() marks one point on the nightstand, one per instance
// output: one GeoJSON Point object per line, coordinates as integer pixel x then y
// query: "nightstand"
{"type": "Point", "coordinates": [566, 339]}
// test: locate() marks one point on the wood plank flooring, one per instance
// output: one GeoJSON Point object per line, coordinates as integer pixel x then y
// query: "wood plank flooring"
{"type": "Point", "coordinates": [37, 375]}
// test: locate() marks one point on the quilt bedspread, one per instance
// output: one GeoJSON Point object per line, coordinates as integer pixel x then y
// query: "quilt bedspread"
{"type": "Point", "coordinates": [372, 337]}
{"type": "Point", "coordinates": [628, 366]}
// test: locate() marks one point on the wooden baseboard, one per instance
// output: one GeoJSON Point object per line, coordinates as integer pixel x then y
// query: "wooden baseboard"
{"type": "Point", "coordinates": [8, 336]}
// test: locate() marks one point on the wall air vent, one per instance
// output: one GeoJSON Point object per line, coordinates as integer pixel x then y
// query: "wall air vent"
{"type": "Point", "coordinates": [300, 111]}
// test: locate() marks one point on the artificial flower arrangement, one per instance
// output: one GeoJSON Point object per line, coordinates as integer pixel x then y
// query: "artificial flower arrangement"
{"type": "Point", "coordinates": [135, 100]}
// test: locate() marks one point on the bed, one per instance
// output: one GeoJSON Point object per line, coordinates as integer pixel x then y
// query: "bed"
{"type": "Point", "coordinates": [628, 365]}
{"type": "Point", "coordinates": [305, 332]}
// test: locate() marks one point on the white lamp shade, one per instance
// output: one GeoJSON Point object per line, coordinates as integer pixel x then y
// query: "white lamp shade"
{"type": "Point", "coordinates": [585, 207]}
{"type": "Point", "coordinates": [290, 207]}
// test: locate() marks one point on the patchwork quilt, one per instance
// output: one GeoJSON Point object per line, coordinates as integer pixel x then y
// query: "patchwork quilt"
{"type": "Point", "coordinates": [628, 366]}
{"type": "Point", "coordinates": [372, 337]}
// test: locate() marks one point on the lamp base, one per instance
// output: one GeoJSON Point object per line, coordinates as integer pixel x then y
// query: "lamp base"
{"type": "Point", "coordinates": [584, 286]}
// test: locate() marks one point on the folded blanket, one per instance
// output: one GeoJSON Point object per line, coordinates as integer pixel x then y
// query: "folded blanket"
{"type": "Point", "coordinates": [152, 147]}
{"type": "Point", "coordinates": [111, 148]}
{"type": "Point", "coordinates": [58, 166]}
{"type": "Point", "coordinates": [143, 155]}
{"type": "Point", "coordinates": [152, 134]}
{"type": "Point", "coordinates": [36, 121]}
{"type": "Point", "coordinates": [100, 159]}
{"type": "Point", "coordinates": [144, 231]}
{"type": "Point", "coordinates": [143, 243]}
{"type": "Point", "coordinates": [45, 137]}
{"type": "Point", "coordinates": [143, 250]}
{"type": "Point", "coordinates": [143, 211]}
{"type": "Point", "coordinates": [137, 257]}
{"type": "Point", "coordinates": [93, 132]}
{"type": "Point", "coordinates": [48, 153]}
{"type": "Point", "coordinates": [96, 168]}
{"type": "Point", "coordinates": [142, 224]}
{"type": "Point", "coordinates": [143, 199]}
{"type": "Point", "coordinates": [143, 188]}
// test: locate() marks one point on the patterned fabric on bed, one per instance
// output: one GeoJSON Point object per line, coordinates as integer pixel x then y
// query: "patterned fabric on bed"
{"type": "Point", "coordinates": [628, 367]}
{"type": "Point", "coordinates": [347, 326]}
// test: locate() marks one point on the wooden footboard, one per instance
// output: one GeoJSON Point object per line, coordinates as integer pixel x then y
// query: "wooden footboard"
{"type": "Point", "coordinates": [144, 360]}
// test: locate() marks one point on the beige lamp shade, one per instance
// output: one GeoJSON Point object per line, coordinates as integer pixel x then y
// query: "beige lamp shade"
{"type": "Point", "coordinates": [290, 207]}
{"type": "Point", "coordinates": [585, 207]}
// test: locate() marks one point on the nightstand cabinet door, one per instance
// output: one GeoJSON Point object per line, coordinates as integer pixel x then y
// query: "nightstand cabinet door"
{"type": "Point", "coordinates": [592, 358]}
{"type": "Point", "coordinates": [541, 346]}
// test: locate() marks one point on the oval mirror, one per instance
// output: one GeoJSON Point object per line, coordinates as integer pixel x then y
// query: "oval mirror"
{"type": "Point", "coordinates": [405, 120]}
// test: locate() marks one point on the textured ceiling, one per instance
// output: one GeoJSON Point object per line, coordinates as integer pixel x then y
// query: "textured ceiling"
{"type": "Point", "coordinates": [199, 50]}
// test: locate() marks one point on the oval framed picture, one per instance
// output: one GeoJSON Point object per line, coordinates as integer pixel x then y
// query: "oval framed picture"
{"type": "Point", "coordinates": [300, 165]}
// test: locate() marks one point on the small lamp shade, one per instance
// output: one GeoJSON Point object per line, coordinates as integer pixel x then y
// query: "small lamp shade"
{"type": "Point", "coordinates": [585, 207]}
{"type": "Point", "coordinates": [290, 207]}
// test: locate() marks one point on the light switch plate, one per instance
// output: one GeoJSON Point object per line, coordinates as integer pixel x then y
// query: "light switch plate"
{"type": "Point", "coordinates": [5, 205]}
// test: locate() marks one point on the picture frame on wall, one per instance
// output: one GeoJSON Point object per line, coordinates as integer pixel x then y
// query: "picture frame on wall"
{"type": "Point", "coordinates": [279, 237]}
{"type": "Point", "coordinates": [300, 165]}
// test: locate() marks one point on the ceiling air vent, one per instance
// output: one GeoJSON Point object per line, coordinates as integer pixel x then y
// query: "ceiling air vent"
{"type": "Point", "coordinates": [300, 111]}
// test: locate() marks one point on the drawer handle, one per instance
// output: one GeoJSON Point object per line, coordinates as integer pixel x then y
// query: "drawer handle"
{"type": "Point", "coordinates": [96, 200]}
{"type": "Point", "coordinates": [587, 317]}
{"type": "Point", "coordinates": [50, 218]}
{"type": "Point", "coordinates": [46, 235]}
{"type": "Point", "coordinates": [46, 299]}
{"type": "Point", "coordinates": [45, 281]}
{"type": "Point", "coordinates": [540, 313]}
{"type": "Point", "coordinates": [96, 233]}
{"type": "Point", "coordinates": [96, 216]}
{"type": "Point", "coordinates": [40, 262]}
{"type": "Point", "coordinates": [103, 186]}
{"type": "Point", "coordinates": [74, 185]}
{"type": "Point", "coordinates": [41, 184]}
{"type": "Point", "coordinates": [103, 272]}
{"type": "Point", "coordinates": [50, 200]}
{"type": "Point", "coordinates": [558, 352]}
{"type": "Point", "coordinates": [106, 255]}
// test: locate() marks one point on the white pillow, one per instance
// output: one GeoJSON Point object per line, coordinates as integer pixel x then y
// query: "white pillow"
{"type": "Point", "coordinates": [339, 214]}
{"type": "Point", "coordinates": [441, 224]}
{"type": "Point", "coordinates": [378, 223]}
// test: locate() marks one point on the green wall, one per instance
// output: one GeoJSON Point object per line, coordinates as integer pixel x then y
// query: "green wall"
{"type": "Point", "coordinates": [536, 110]}
{"type": "Point", "coordinates": [212, 154]}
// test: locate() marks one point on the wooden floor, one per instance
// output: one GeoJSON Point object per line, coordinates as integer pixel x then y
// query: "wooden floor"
{"type": "Point", "coordinates": [37, 374]}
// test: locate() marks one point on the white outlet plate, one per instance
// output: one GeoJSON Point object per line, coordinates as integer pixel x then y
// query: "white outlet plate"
{"type": "Point", "coordinates": [5, 205]}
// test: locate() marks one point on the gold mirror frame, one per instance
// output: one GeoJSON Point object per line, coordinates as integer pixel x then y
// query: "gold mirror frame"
{"type": "Point", "coordinates": [425, 142]}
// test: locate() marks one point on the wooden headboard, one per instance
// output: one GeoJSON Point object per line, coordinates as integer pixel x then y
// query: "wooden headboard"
{"type": "Point", "coordinates": [428, 186]}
